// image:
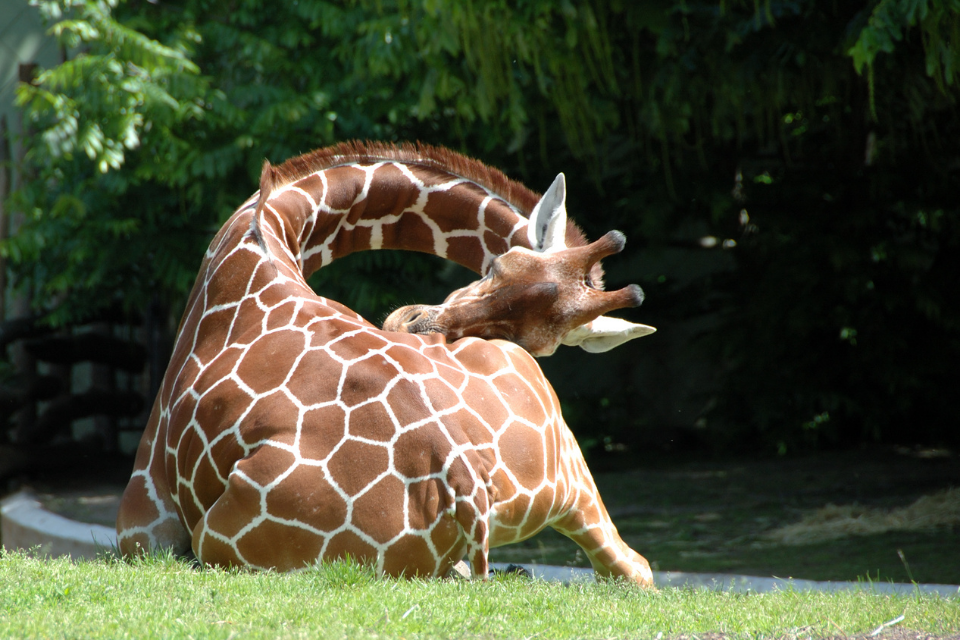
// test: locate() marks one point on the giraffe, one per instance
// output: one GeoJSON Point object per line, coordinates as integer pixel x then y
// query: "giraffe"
{"type": "Point", "coordinates": [289, 430]}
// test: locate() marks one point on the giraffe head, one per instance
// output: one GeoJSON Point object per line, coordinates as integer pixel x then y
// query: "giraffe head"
{"type": "Point", "coordinates": [538, 298]}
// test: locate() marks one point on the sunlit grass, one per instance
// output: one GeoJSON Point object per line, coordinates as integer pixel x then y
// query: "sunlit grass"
{"type": "Point", "coordinates": [166, 597]}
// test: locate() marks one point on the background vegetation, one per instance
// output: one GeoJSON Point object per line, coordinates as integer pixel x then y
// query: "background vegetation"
{"type": "Point", "coordinates": [787, 172]}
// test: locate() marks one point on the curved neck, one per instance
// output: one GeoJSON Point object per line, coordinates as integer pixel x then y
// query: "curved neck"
{"type": "Point", "coordinates": [388, 205]}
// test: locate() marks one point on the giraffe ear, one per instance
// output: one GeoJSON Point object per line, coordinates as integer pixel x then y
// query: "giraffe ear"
{"type": "Point", "coordinates": [548, 223]}
{"type": "Point", "coordinates": [604, 333]}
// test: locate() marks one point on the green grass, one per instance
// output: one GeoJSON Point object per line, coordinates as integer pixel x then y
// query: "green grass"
{"type": "Point", "coordinates": [169, 598]}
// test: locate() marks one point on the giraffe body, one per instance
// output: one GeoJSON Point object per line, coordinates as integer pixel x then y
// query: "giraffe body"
{"type": "Point", "coordinates": [289, 430]}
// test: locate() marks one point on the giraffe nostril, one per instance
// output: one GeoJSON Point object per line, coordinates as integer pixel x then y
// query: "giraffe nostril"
{"type": "Point", "coordinates": [414, 317]}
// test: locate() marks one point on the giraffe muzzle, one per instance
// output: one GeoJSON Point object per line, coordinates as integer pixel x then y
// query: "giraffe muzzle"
{"type": "Point", "coordinates": [416, 318]}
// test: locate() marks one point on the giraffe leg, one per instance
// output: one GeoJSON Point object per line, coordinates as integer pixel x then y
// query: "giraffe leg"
{"type": "Point", "coordinates": [213, 541]}
{"type": "Point", "coordinates": [148, 518]}
{"type": "Point", "coordinates": [589, 525]}
{"type": "Point", "coordinates": [146, 522]}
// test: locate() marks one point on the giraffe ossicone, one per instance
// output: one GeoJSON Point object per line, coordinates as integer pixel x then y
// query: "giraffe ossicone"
{"type": "Point", "coordinates": [289, 430]}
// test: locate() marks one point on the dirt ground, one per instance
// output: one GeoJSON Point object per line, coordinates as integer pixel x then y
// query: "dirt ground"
{"type": "Point", "coordinates": [703, 515]}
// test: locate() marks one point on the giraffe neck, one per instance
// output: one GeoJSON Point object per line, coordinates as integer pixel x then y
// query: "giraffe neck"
{"type": "Point", "coordinates": [387, 204]}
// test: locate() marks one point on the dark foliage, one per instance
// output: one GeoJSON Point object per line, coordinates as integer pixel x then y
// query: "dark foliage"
{"type": "Point", "coordinates": [814, 143]}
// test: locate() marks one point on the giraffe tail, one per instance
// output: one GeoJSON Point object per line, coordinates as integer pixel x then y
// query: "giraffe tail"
{"type": "Point", "coordinates": [468, 481]}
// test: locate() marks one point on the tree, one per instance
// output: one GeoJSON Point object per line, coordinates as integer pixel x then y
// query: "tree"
{"type": "Point", "coordinates": [811, 139]}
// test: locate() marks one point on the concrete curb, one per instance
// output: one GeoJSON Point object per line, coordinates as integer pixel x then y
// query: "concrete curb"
{"type": "Point", "coordinates": [25, 524]}
{"type": "Point", "coordinates": [740, 584]}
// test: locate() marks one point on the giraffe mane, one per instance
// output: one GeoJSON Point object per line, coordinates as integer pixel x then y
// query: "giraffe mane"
{"type": "Point", "coordinates": [426, 155]}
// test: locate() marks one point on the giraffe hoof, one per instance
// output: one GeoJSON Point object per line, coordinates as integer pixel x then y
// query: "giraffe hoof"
{"type": "Point", "coordinates": [459, 571]}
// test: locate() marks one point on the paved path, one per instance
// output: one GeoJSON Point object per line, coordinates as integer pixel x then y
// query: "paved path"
{"type": "Point", "coordinates": [742, 584]}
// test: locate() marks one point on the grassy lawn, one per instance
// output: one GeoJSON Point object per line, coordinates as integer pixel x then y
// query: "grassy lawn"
{"type": "Point", "coordinates": [165, 597]}
{"type": "Point", "coordinates": [716, 516]}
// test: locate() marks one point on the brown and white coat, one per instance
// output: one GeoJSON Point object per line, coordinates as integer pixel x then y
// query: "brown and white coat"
{"type": "Point", "coordinates": [289, 430]}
